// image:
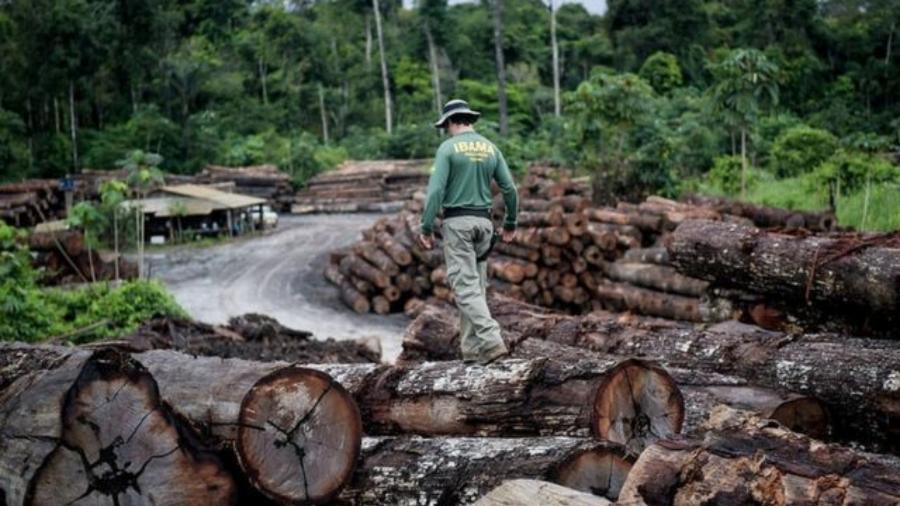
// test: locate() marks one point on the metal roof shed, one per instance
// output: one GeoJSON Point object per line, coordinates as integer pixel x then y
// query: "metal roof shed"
{"type": "Point", "coordinates": [220, 199]}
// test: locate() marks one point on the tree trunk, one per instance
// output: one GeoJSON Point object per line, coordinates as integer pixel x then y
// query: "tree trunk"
{"type": "Point", "coordinates": [397, 252]}
{"type": "Point", "coordinates": [368, 42]}
{"type": "Point", "coordinates": [116, 238]}
{"type": "Point", "coordinates": [377, 257]}
{"type": "Point", "coordinates": [73, 124]}
{"type": "Point", "coordinates": [262, 80]}
{"type": "Point", "coordinates": [743, 163]}
{"type": "Point", "coordinates": [501, 67]}
{"type": "Point", "coordinates": [296, 431]}
{"type": "Point", "coordinates": [323, 115]}
{"type": "Point", "coordinates": [864, 404]}
{"type": "Point", "coordinates": [354, 265]}
{"type": "Point", "coordinates": [538, 493]}
{"type": "Point", "coordinates": [656, 277]}
{"type": "Point", "coordinates": [845, 278]}
{"type": "Point", "coordinates": [557, 108]}
{"type": "Point", "coordinates": [92, 428]}
{"type": "Point", "coordinates": [385, 79]}
{"type": "Point", "coordinates": [461, 470]}
{"type": "Point", "coordinates": [625, 297]}
{"type": "Point", "coordinates": [435, 72]}
{"type": "Point", "coordinates": [747, 460]}
{"type": "Point", "coordinates": [56, 114]}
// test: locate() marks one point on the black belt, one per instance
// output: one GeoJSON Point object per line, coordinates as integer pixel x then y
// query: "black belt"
{"type": "Point", "coordinates": [454, 212]}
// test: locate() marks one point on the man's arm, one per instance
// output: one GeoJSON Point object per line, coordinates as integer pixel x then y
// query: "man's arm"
{"type": "Point", "coordinates": [437, 183]}
{"type": "Point", "coordinates": [510, 195]}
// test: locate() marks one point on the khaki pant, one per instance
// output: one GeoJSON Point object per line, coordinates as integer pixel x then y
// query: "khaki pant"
{"type": "Point", "coordinates": [466, 238]}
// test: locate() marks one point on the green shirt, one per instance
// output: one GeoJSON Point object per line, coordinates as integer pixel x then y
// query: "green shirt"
{"type": "Point", "coordinates": [461, 176]}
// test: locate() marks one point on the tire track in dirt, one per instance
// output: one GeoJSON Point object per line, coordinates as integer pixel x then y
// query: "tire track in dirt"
{"type": "Point", "coordinates": [279, 274]}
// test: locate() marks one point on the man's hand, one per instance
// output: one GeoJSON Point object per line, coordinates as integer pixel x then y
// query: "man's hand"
{"type": "Point", "coordinates": [426, 241]}
{"type": "Point", "coordinates": [508, 235]}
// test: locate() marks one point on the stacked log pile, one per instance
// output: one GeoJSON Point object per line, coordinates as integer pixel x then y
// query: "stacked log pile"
{"type": "Point", "coordinates": [864, 403]}
{"type": "Point", "coordinates": [363, 186]}
{"type": "Point", "coordinates": [295, 430]}
{"type": "Point", "coordinates": [263, 181]}
{"type": "Point", "coordinates": [28, 203]}
{"type": "Point", "coordinates": [63, 258]}
{"type": "Point", "coordinates": [838, 281]}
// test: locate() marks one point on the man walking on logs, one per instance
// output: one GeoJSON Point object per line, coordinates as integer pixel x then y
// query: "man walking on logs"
{"type": "Point", "coordinates": [460, 184]}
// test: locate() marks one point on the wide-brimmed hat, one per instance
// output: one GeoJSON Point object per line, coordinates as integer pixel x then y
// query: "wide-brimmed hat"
{"type": "Point", "coordinates": [453, 108]}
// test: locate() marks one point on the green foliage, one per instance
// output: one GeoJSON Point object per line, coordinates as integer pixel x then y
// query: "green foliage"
{"type": "Point", "coordinates": [31, 313]}
{"type": "Point", "coordinates": [725, 175]}
{"type": "Point", "coordinates": [662, 71]}
{"type": "Point", "coordinates": [850, 171]}
{"type": "Point", "coordinates": [800, 149]}
{"type": "Point", "coordinates": [745, 84]}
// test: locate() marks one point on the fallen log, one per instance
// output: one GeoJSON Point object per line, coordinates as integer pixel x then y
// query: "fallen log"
{"type": "Point", "coordinates": [851, 276]}
{"type": "Point", "coordinates": [518, 251]}
{"type": "Point", "coordinates": [703, 391]}
{"type": "Point", "coordinates": [277, 418]}
{"type": "Point", "coordinates": [624, 297]}
{"type": "Point", "coordinates": [656, 277]}
{"type": "Point", "coordinates": [538, 493]}
{"type": "Point", "coordinates": [746, 460]}
{"type": "Point", "coordinates": [352, 265]}
{"type": "Point", "coordinates": [647, 222]}
{"type": "Point", "coordinates": [92, 429]}
{"type": "Point", "coordinates": [768, 217]}
{"type": "Point", "coordinates": [399, 254]}
{"type": "Point", "coordinates": [656, 255]}
{"type": "Point", "coordinates": [377, 257]}
{"type": "Point", "coordinates": [461, 470]}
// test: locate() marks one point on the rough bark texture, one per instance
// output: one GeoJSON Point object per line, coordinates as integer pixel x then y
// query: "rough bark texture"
{"type": "Point", "coordinates": [92, 429]}
{"type": "Point", "coordinates": [864, 404]}
{"type": "Point", "coordinates": [626, 297]}
{"type": "Point", "coordinates": [538, 493]}
{"type": "Point", "coordinates": [746, 460]}
{"type": "Point", "coordinates": [413, 471]}
{"type": "Point", "coordinates": [853, 277]}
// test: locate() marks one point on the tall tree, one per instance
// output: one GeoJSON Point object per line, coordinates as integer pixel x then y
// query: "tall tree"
{"type": "Point", "coordinates": [501, 67]}
{"type": "Point", "coordinates": [385, 78]}
{"type": "Point", "coordinates": [745, 84]}
{"type": "Point", "coordinates": [557, 110]}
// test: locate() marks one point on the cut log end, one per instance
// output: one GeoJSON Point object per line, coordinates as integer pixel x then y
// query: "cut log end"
{"type": "Point", "coordinates": [121, 445]}
{"type": "Point", "coordinates": [636, 404]}
{"type": "Point", "coordinates": [600, 471]}
{"type": "Point", "coordinates": [806, 415]}
{"type": "Point", "coordinates": [299, 436]}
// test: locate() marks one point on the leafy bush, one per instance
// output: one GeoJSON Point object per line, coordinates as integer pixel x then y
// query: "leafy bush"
{"type": "Point", "coordinates": [725, 175]}
{"type": "Point", "coordinates": [851, 170]}
{"type": "Point", "coordinates": [662, 71]}
{"type": "Point", "coordinates": [31, 313]}
{"type": "Point", "coordinates": [801, 149]}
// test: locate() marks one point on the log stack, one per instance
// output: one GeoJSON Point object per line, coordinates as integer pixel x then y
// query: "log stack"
{"type": "Point", "coordinates": [63, 258]}
{"type": "Point", "coordinates": [263, 181]}
{"type": "Point", "coordinates": [28, 203]}
{"type": "Point", "coordinates": [566, 255]}
{"type": "Point", "coordinates": [363, 186]}
{"type": "Point", "coordinates": [839, 281]}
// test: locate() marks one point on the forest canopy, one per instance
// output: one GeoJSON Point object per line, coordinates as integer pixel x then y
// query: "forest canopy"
{"type": "Point", "coordinates": [655, 96]}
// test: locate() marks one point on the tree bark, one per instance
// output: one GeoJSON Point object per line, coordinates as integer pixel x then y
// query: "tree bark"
{"type": "Point", "coordinates": [435, 72]}
{"type": "Point", "coordinates": [92, 428]}
{"type": "Point", "coordinates": [73, 124]}
{"type": "Point", "coordinates": [323, 115]}
{"type": "Point", "coordinates": [747, 460]}
{"type": "Point", "coordinates": [460, 470]}
{"type": "Point", "coordinates": [624, 297]}
{"type": "Point", "coordinates": [385, 79]}
{"type": "Point", "coordinates": [278, 418]}
{"type": "Point", "coordinates": [352, 264]}
{"type": "Point", "coordinates": [557, 108]}
{"type": "Point", "coordinates": [656, 277]}
{"type": "Point", "coordinates": [849, 277]}
{"type": "Point", "coordinates": [501, 67]}
{"type": "Point", "coordinates": [864, 405]}
{"type": "Point", "coordinates": [538, 493]}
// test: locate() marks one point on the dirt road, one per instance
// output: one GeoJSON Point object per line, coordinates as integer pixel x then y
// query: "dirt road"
{"type": "Point", "coordinates": [279, 274]}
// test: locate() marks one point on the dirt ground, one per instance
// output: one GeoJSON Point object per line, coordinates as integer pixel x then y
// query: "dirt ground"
{"type": "Point", "coordinates": [278, 274]}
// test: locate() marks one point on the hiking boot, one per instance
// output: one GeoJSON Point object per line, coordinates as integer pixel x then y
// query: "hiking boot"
{"type": "Point", "coordinates": [495, 354]}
